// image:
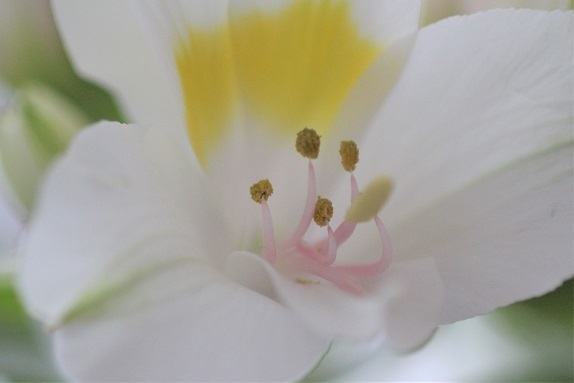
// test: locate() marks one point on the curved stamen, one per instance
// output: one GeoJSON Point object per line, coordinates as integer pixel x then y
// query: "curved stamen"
{"type": "Point", "coordinates": [270, 249]}
{"type": "Point", "coordinates": [307, 216]}
{"type": "Point", "coordinates": [371, 269]}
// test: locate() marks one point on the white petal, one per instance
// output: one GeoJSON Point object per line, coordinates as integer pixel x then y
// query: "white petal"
{"type": "Point", "coordinates": [403, 307]}
{"type": "Point", "coordinates": [187, 324]}
{"type": "Point", "coordinates": [413, 302]}
{"type": "Point", "coordinates": [506, 238]}
{"type": "Point", "coordinates": [121, 193]}
{"type": "Point", "coordinates": [108, 43]}
{"type": "Point", "coordinates": [479, 92]}
{"type": "Point", "coordinates": [478, 135]}
{"type": "Point", "coordinates": [415, 299]}
{"type": "Point", "coordinates": [324, 307]}
{"type": "Point", "coordinates": [387, 21]}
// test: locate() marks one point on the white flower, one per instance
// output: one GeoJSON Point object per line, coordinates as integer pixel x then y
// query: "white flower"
{"type": "Point", "coordinates": [148, 259]}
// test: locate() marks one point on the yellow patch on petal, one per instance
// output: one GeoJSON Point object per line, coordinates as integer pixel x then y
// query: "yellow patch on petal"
{"type": "Point", "coordinates": [297, 66]}
{"type": "Point", "coordinates": [205, 65]}
{"type": "Point", "coordinates": [294, 68]}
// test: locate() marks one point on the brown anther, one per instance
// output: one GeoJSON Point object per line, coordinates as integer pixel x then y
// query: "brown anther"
{"type": "Point", "coordinates": [349, 155]}
{"type": "Point", "coordinates": [308, 143]}
{"type": "Point", "coordinates": [323, 211]}
{"type": "Point", "coordinates": [261, 190]}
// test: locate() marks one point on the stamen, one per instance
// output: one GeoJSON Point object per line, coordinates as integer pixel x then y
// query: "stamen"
{"type": "Point", "coordinates": [375, 268]}
{"type": "Point", "coordinates": [323, 211]}
{"type": "Point", "coordinates": [269, 248]}
{"type": "Point", "coordinates": [349, 155]}
{"type": "Point", "coordinates": [307, 216]}
{"type": "Point", "coordinates": [308, 143]}
{"type": "Point", "coordinates": [349, 158]}
{"type": "Point", "coordinates": [370, 201]}
{"type": "Point", "coordinates": [261, 190]}
{"type": "Point", "coordinates": [319, 259]}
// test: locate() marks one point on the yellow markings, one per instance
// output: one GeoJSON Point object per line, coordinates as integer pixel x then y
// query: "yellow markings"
{"type": "Point", "coordinates": [370, 201]}
{"type": "Point", "coordinates": [293, 68]}
{"type": "Point", "coordinates": [205, 65]}
{"type": "Point", "coordinates": [298, 65]}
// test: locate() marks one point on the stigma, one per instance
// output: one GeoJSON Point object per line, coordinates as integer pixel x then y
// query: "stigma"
{"type": "Point", "coordinates": [315, 263]}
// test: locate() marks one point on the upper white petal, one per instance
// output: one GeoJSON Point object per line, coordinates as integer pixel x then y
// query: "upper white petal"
{"type": "Point", "coordinates": [477, 135]}
{"type": "Point", "coordinates": [478, 92]}
{"type": "Point", "coordinates": [107, 42]}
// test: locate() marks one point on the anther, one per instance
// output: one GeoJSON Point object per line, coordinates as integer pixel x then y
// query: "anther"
{"type": "Point", "coordinates": [323, 211]}
{"type": "Point", "coordinates": [308, 143]}
{"type": "Point", "coordinates": [349, 155]}
{"type": "Point", "coordinates": [261, 190]}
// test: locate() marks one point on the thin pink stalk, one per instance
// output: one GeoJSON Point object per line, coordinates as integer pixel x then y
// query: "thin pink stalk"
{"type": "Point", "coordinates": [375, 268]}
{"type": "Point", "coordinates": [268, 236]}
{"type": "Point", "coordinates": [307, 216]}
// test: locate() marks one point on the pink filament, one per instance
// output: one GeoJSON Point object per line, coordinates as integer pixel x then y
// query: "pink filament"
{"type": "Point", "coordinates": [268, 236]}
{"type": "Point", "coordinates": [307, 216]}
{"type": "Point", "coordinates": [372, 269]}
{"type": "Point", "coordinates": [319, 259]}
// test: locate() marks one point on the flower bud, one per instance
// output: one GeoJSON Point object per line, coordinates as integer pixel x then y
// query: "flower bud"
{"type": "Point", "coordinates": [36, 125]}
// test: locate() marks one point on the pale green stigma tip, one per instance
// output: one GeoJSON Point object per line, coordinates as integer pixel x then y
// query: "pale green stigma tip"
{"type": "Point", "coordinates": [349, 155]}
{"type": "Point", "coordinates": [368, 204]}
{"type": "Point", "coordinates": [308, 143]}
{"type": "Point", "coordinates": [323, 211]}
{"type": "Point", "coordinates": [261, 190]}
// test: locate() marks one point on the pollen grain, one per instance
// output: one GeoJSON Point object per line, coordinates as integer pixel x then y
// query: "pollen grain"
{"type": "Point", "coordinates": [308, 143]}
{"type": "Point", "coordinates": [349, 155]}
{"type": "Point", "coordinates": [261, 190]}
{"type": "Point", "coordinates": [323, 211]}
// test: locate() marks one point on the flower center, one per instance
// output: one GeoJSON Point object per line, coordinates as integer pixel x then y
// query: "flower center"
{"type": "Point", "coordinates": [302, 260]}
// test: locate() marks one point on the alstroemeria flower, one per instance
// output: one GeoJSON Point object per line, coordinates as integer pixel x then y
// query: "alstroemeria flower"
{"type": "Point", "coordinates": [148, 258]}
